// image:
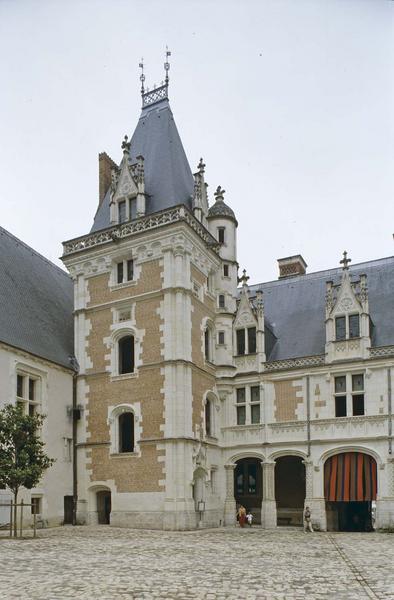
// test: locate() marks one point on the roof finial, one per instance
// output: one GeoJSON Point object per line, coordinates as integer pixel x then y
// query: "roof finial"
{"type": "Point", "coordinates": [201, 166]}
{"type": "Point", "coordinates": [126, 145]}
{"type": "Point", "coordinates": [345, 261]}
{"type": "Point", "coordinates": [167, 65]}
{"type": "Point", "coordinates": [142, 76]}
{"type": "Point", "coordinates": [244, 279]}
{"type": "Point", "coordinates": [219, 194]}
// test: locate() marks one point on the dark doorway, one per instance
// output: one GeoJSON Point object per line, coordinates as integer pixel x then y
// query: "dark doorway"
{"type": "Point", "coordinates": [350, 516]}
{"type": "Point", "coordinates": [350, 488]}
{"type": "Point", "coordinates": [103, 507]}
{"type": "Point", "coordinates": [289, 490]}
{"type": "Point", "coordinates": [248, 489]}
{"type": "Point", "coordinates": [68, 510]}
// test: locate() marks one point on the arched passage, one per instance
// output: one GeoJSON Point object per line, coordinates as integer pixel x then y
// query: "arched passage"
{"type": "Point", "coordinates": [248, 487]}
{"type": "Point", "coordinates": [350, 489]}
{"type": "Point", "coordinates": [289, 489]}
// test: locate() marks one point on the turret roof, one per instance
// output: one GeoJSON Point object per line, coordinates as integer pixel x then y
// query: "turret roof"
{"type": "Point", "coordinates": [168, 177]}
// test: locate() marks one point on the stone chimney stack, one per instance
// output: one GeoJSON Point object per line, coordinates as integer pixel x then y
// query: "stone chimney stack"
{"type": "Point", "coordinates": [105, 165]}
{"type": "Point", "coordinates": [291, 266]}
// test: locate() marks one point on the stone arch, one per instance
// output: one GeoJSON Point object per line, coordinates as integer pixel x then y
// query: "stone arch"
{"type": "Point", "coordinates": [340, 449]}
{"type": "Point", "coordinates": [99, 503]}
{"type": "Point", "coordinates": [288, 452]}
{"type": "Point", "coordinates": [245, 454]}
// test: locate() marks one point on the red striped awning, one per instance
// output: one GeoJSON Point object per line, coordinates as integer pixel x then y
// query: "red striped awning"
{"type": "Point", "coordinates": [350, 477]}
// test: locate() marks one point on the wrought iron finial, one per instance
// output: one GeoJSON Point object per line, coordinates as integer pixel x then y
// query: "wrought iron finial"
{"type": "Point", "coordinates": [201, 166]}
{"type": "Point", "coordinates": [345, 261]}
{"type": "Point", "coordinates": [244, 279]}
{"type": "Point", "coordinates": [126, 145]}
{"type": "Point", "coordinates": [219, 194]}
{"type": "Point", "coordinates": [142, 76]}
{"type": "Point", "coordinates": [167, 65]}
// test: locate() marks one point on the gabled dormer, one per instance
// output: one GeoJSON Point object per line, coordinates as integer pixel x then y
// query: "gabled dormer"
{"type": "Point", "coordinates": [347, 317]}
{"type": "Point", "coordinates": [127, 188]}
{"type": "Point", "coordinates": [248, 330]}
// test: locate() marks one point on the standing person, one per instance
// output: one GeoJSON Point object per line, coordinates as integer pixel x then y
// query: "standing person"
{"type": "Point", "coordinates": [241, 516]}
{"type": "Point", "coordinates": [249, 518]}
{"type": "Point", "coordinates": [307, 520]}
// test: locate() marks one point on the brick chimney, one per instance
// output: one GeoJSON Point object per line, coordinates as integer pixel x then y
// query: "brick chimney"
{"type": "Point", "coordinates": [291, 266]}
{"type": "Point", "coordinates": [105, 165]}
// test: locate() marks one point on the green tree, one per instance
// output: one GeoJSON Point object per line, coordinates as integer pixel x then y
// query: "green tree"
{"type": "Point", "coordinates": [22, 457]}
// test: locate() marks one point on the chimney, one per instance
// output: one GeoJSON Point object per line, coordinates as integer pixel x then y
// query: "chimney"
{"type": "Point", "coordinates": [291, 266]}
{"type": "Point", "coordinates": [105, 165]}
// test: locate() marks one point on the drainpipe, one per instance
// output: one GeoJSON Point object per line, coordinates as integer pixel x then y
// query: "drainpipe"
{"type": "Point", "coordinates": [390, 424]}
{"type": "Point", "coordinates": [75, 418]}
{"type": "Point", "coordinates": [308, 415]}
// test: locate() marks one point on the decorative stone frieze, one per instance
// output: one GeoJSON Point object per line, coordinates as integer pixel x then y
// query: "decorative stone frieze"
{"type": "Point", "coordinates": [381, 351]}
{"type": "Point", "coordinates": [295, 363]}
{"type": "Point", "coordinates": [178, 213]}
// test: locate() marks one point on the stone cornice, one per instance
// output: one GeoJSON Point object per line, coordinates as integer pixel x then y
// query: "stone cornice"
{"type": "Point", "coordinates": [118, 232]}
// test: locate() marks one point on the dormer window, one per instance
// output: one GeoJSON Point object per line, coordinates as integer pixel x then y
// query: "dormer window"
{"type": "Point", "coordinates": [246, 341]}
{"type": "Point", "coordinates": [347, 327]}
{"type": "Point", "coordinates": [122, 211]}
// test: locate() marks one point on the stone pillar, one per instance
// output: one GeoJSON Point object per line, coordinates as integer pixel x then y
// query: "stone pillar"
{"type": "Point", "coordinates": [230, 506]}
{"type": "Point", "coordinates": [385, 502]}
{"type": "Point", "coordinates": [268, 505]}
{"type": "Point", "coordinates": [316, 503]}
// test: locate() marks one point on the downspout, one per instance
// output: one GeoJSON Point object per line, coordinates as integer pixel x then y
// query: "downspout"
{"type": "Point", "coordinates": [390, 423]}
{"type": "Point", "coordinates": [75, 418]}
{"type": "Point", "coordinates": [74, 442]}
{"type": "Point", "coordinates": [308, 415]}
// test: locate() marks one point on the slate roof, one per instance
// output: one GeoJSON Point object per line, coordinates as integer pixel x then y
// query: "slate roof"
{"type": "Point", "coordinates": [221, 209]}
{"type": "Point", "coordinates": [295, 308]}
{"type": "Point", "coordinates": [36, 300]}
{"type": "Point", "coordinates": [168, 177]}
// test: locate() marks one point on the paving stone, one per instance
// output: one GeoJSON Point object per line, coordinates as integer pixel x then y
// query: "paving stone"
{"type": "Point", "coordinates": [107, 563]}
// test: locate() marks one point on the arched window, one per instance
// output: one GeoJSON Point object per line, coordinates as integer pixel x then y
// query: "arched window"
{"type": "Point", "coordinates": [208, 417]}
{"type": "Point", "coordinates": [126, 354]}
{"type": "Point", "coordinates": [126, 432]}
{"type": "Point", "coordinates": [207, 344]}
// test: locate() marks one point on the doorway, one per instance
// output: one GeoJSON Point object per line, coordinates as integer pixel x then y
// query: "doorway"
{"type": "Point", "coordinates": [248, 488]}
{"type": "Point", "coordinates": [289, 490]}
{"type": "Point", "coordinates": [103, 507]}
{"type": "Point", "coordinates": [68, 510]}
{"type": "Point", "coordinates": [350, 488]}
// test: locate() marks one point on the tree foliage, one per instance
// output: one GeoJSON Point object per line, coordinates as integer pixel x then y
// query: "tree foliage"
{"type": "Point", "coordinates": [22, 457]}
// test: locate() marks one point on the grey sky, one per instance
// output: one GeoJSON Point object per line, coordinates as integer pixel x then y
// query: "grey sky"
{"type": "Point", "coordinates": [289, 102]}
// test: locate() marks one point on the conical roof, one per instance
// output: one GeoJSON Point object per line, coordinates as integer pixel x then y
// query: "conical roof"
{"type": "Point", "coordinates": [168, 177]}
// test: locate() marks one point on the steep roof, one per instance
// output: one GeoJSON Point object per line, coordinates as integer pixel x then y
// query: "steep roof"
{"type": "Point", "coordinates": [168, 177]}
{"type": "Point", "coordinates": [294, 308]}
{"type": "Point", "coordinates": [36, 299]}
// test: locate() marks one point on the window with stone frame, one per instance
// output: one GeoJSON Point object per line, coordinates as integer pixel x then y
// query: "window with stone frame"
{"type": "Point", "coordinates": [122, 211]}
{"type": "Point", "coordinates": [28, 393]}
{"type": "Point", "coordinates": [222, 301]}
{"type": "Point", "coordinates": [208, 417]}
{"type": "Point", "coordinates": [347, 327]}
{"type": "Point", "coordinates": [241, 405]}
{"type": "Point", "coordinates": [125, 271]}
{"type": "Point", "coordinates": [221, 338]}
{"type": "Point", "coordinates": [36, 502]}
{"type": "Point", "coordinates": [349, 395]}
{"type": "Point", "coordinates": [246, 341]}
{"type": "Point", "coordinates": [126, 432]}
{"type": "Point", "coordinates": [126, 355]}
{"type": "Point", "coordinates": [248, 405]}
{"type": "Point", "coordinates": [208, 342]}
{"type": "Point", "coordinates": [226, 270]}
{"type": "Point", "coordinates": [221, 235]}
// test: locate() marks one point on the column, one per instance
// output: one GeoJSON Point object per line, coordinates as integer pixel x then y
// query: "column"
{"type": "Point", "coordinates": [229, 504]}
{"type": "Point", "coordinates": [316, 502]}
{"type": "Point", "coordinates": [268, 505]}
{"type": "Point", "coordinates": [385, 496]}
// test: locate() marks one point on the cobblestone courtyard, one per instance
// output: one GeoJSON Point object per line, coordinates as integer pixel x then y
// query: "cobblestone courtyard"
{"type": "Point", "coordinates": [105, 563]}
